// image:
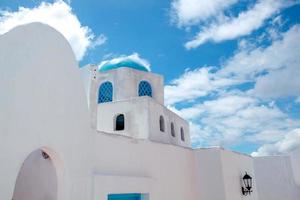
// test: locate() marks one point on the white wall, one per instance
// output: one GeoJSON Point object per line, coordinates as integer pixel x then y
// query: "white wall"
{"type": "Point", "coordinates": [142, 120]}
{"type": "Point", "coordinates": [126, 83]}
{"type": "Point", "coordinates": [155, 111]}
{"type": "Point", "coordinates": [219, 174]}
{"type": "Point", "coordinates": [37, 179]}
{"type": "Point", "coordinates": [163, 171]}
{"type": "Point", "coordinates": [136, 114]}
{"type": "Point", "coordinates": [295, 161]}
{"type": "Point", "coordinates": [210, 183]}
{"type": "Point", "coordinates": [42, 104]}
{"type": "Point", "coordinates": [275, 179]}
{"type": "Point", "coordinates": [234, 166]}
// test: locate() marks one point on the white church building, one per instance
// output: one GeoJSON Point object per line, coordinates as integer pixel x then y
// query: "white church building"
{"type": "Point", "coordinates": [90, 133]}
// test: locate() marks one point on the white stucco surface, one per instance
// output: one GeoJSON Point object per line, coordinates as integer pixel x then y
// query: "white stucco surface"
{"type": "Point", "coordinates": [295, 162]}
{"type": "Point", "coordinates": [44, 107]}
{"type": "Point", "coordinates": [42, 100]}
{"type": "Point", "coordinates": [37, 179]}
{"type": "Point", "coordinates": [220, 172]}
{"type": "Point", "coordinates": [126, 81]}
{"type": "Point", "coordinates": [142, 116]}
{"type": "Point", "coordinates": [275, 179]}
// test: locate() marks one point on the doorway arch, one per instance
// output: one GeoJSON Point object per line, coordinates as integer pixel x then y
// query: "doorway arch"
{"type": "Point", "coordinates": [38, 177]}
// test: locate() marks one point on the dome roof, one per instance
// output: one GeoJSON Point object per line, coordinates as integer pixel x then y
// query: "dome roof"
{"type": "Point", "coordinates": [124, 63]}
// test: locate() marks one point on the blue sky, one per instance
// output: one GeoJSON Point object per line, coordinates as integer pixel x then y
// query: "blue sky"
{"type": "Point", "coordinates": [231, 67]}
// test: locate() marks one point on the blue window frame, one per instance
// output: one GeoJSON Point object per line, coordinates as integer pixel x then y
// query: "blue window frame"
{"type": "Point", "coordinates": [132, 196]}
{"type": "Point", "coordinates": [145, 89]}
{"type": "Point", "coordinates": [105, 92]}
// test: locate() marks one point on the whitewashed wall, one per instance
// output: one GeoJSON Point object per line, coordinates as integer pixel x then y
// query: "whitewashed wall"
{"type": "Point", "coordinates": [126, 83]}
{"type": "Point", "coordinates": [37, 179]}
{"type": "Point", "coordinates": [295, 161]}
{"type": "Point", "coordinates": [219, 174]}
{"type": "Point", "coordinates": [142, 120]}
{"type": "Point", "coordinates": [275, 179]}
{"type": "Point", "coordinates": [43, 105]}
{"type": "Point", "coordinates": [136, 114]}
{"type": "Point", "coordinates": [234, 166]}
{"type": "Point", "coordinates": [210, 183]}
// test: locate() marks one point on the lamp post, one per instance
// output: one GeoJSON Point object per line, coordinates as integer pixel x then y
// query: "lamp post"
{"type": "Point", "coordinates": [247, 184]}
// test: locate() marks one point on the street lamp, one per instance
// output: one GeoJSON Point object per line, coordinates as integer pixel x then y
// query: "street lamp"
{"type": "Point", "coordinates": [247, 184]}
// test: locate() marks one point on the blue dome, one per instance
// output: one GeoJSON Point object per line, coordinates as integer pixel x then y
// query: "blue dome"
{"type": "Point", "coordinates": [126, 63]}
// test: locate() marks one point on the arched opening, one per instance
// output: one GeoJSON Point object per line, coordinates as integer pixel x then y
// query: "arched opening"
{"type": "Point", "coordinates": [172, 129]}
{"type": "Point", "coordinates": [145, 89]}
{"type": "Point", "coordinates": [120, 122]}
{"type": "Point", "coordinates": [161, 124]}
{"type": "Point", "coordinates": [105, 92]}
{"type": "Point", "coordinates": [37, 178]}
{"type": "Point", "coordinates": [182, 134]}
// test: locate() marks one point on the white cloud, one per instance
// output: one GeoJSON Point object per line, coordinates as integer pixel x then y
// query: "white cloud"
{"type": "Point", "coordinates": [266, 136]}
{"type": "Point", "coordinates": [190, 12]}
{"type": "Point", "coordinates": [58, 15]}
{"type": "Point", "coordinates": [231, 115]}
{"type": "Point", "coordinates": [288, 143]}
{"type": "Point", "coordinates": [194, 84]}
{"type": "Point", "coordinates": [227, 114]}
{"type": "Point", "coordinates": [274, 69]}
{"type": "Point", "coordinates": [232, 119]}
{"type": "Point", "coordinates": [281, 83]}
{"type": "Point", "coordinates": [133, 57]}
{"type": "Point", "coordinates": [243, 24]}
{"type": "Point", "coordinates": [100, 40]}
{"type": "Point", "coordinates": [220, 107]}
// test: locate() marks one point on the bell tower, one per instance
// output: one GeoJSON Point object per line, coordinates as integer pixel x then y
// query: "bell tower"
{"type": "Point", "coordinates": [127, 99]}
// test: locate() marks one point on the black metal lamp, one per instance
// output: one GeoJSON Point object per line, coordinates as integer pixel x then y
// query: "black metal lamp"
{"type": "Point", "coordinates": [247, 181]}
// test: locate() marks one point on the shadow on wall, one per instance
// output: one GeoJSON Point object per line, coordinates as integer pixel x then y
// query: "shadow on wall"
{"type": "Point", "coordinates": [37, 179]}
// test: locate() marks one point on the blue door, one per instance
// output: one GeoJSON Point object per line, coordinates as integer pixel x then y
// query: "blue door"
{"type": "Point", "coordinates": [132, 196]}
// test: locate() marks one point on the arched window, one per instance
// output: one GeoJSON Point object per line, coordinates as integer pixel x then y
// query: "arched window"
{"type": "Point", "coordinates": [120, 122]}
{"type": "Point", "coordinates": [172, 130]}
{"type": "Point", "coordinates": [145, 89]}
{"type": "Point", "coordinates": [182, 134]}
{"type": "Point", "coordinates": [161, 124]}
{"type": "Point", "coordinates": [105, 92]}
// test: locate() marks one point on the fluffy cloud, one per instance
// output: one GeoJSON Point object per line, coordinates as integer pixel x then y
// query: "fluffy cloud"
{"type": "Point", "coordinates": [133, 57]}
{"type": "Point", "coordinates": [288, 143]}
{"type": "Point", "coordinates": [243, 24]}
{"type": "Point", "coordinates": [230, 119]}
{"type": "Point", "coordinates": [58, 15]}
{"type": "Point", "coordinates": [190, 12]}
{"type": "Point", "coordinates": [100, 40]}
{"type": "Point", "coordinates": [225, 106]}
{"type": "Point", "coordinates": [232, 115]}
{"type": "Point", "coordinates": [217, 25]}
{"type": "Point", "coordinates": [194, 84]}
{"type": "Point", "coordinates": [274, 69]}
